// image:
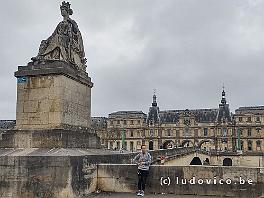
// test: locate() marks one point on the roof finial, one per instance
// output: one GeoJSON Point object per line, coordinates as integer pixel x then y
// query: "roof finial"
{"type": "Point", "coordinates": [154, 103]}
{"type": "Point", "coordinates": [223, 101]}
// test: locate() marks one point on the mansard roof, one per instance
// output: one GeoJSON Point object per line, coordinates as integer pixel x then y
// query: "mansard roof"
{"type": "Point", "coordinates": [200, 115]}
{"type": "Point", "coordinates": [223, 114]}
{"type": "Point", "coordinates": [99, 122]}
{"type": "Point", "coordinates": [153, 115]}
{"type": "Point", "coordinates": [252, 109]}
{"type": "Point", "coordinates": [7, 124]}
{"type": "Point", "coordinates": [128, 114]}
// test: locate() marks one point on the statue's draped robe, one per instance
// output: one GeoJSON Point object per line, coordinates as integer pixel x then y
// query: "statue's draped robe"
{"type": "Point", "coordinates": [64, 44]}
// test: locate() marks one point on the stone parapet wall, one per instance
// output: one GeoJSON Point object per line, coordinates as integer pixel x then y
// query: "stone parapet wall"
{"type": "Point", "coordinates": [34, 174]}
{"type": "Point", "coordinates": [168, 180]}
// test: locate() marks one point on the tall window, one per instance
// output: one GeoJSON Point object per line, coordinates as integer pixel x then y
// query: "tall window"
{"type": "Point", "coordinates": [205, 131]}
{"type": "Point", "coordinates": [240, 119]}
{"type": "Point", "coordinates": [118, 121]}
{"type": "Point", "coordinates": [186, 132]}
{"type": "Point", "coordinates": [132, 122]}
{"type": "Point", "coordinates": [125, 122]}
{"type": "Point", "coordinates": [151, 132]}
{"type": "Point", "coordinates": [249, 132]}
{"type": "Point", "coordinates": [249, 119]}
{"type": "Point", "coordinates": [177, 133]}
{"type": "Point", "coordinates": [118, 145]}
{"type": "Point", "coordinates": [241, 132]}
{"type": "Point", "coordinates": [138, 144]}
{"type": "Point", "coordinates": [131, 133]}
{"type": "Point", "coordinates": [168, 132]}
{"type": "Point", "coordinates": [224, 131]}
{"type": "Point", "coordinates": [250, 145]}
{"type": "Point", "coordinates": [257, 119]}
{"type": "Point", "coordinates": [138, 121]}
{"type": "Point", "coordinates": [131, 146]}
{"type": "Point", "coordinates": [242, 145]}
{"type": "Point", "coordinates": [258, 130]}
{"type": "Point", "coordinates": [258, 145]}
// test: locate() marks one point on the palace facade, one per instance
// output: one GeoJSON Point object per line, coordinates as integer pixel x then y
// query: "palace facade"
{"type": "Point", "coordinates": [215, 129]}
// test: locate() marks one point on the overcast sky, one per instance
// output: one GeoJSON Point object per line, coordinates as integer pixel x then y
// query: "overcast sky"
{"type": "Point", "coordinates": [185, 49]}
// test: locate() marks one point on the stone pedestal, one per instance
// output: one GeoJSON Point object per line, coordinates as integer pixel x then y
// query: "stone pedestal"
{"type": "Point", "coordinates": [53, 106]}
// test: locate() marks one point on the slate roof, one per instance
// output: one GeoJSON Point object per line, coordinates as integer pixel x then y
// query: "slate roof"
{"type": "Point", "coordinates": [201, 115]}
{"type": "Point", "coordinates": [153, 115]}
{"type": "Point", "coordinates": [252, 109]}
{"type": "Point", "coordinates": [7, 124]}
{"type": "Point", "coordinates": [128, 114]}
{"type": "Point", "coordinates": [224, 114]}
{"type": "Point", "coordinates": [99, 122]}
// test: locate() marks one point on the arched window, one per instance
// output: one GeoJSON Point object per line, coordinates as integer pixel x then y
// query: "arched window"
{"type": "Point", "coordinates": [227, 162]}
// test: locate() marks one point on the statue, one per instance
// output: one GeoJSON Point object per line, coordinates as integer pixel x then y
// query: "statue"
{"type": "Point", "coordinates": [65, 44]}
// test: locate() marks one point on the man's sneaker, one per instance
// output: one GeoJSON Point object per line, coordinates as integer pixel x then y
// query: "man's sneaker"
{"type": "Point", "coordinates": [139, 193]}
{"type": "Point", "coordinates": [142, 193]}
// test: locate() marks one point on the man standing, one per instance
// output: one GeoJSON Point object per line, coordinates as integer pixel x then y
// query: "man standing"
{"type": "Point", "coordinates": [143, 160]}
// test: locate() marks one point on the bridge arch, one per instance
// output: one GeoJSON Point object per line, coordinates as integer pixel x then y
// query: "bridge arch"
{"type": "Point", "coordinates": [227, 162]}
{"type": "Point", "coordinates": [196, 161]}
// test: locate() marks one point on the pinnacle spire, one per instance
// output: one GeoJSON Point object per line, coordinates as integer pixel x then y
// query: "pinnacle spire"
{"type": "Point", "coordinates": [223, 101]}
{"type": "Point", "coordinates": [154, 102]}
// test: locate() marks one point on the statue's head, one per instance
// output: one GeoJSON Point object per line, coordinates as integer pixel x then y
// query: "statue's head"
{"type": "Point", "coordinates": [66, 9]}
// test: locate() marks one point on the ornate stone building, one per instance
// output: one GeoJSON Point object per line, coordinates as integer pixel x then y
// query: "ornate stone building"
{"type": "Point", "coordinates": [210, 129]}
{"type": "Point", "coordinates": [249, 124]}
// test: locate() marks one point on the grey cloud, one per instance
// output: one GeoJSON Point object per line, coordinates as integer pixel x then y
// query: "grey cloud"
{"type": "Point", "coordinates": [186, 49]}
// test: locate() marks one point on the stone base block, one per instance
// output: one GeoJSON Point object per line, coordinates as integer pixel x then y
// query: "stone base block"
{"type": "Point", "coordinates": [51, 138]}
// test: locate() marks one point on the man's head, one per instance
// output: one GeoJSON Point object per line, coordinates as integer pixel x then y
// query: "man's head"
{"type": "Point", "coordinates": [143, 148]}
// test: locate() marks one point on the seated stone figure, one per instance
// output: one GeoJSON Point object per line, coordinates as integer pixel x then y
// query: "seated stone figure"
{"type": "Point", "coordinates": [65, 44]}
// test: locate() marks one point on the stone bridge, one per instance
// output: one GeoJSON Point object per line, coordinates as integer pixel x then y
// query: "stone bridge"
{"type": "Point", "coordinates": [198, 157]}
{"type": "Point", "coordinates": [76, 173]}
